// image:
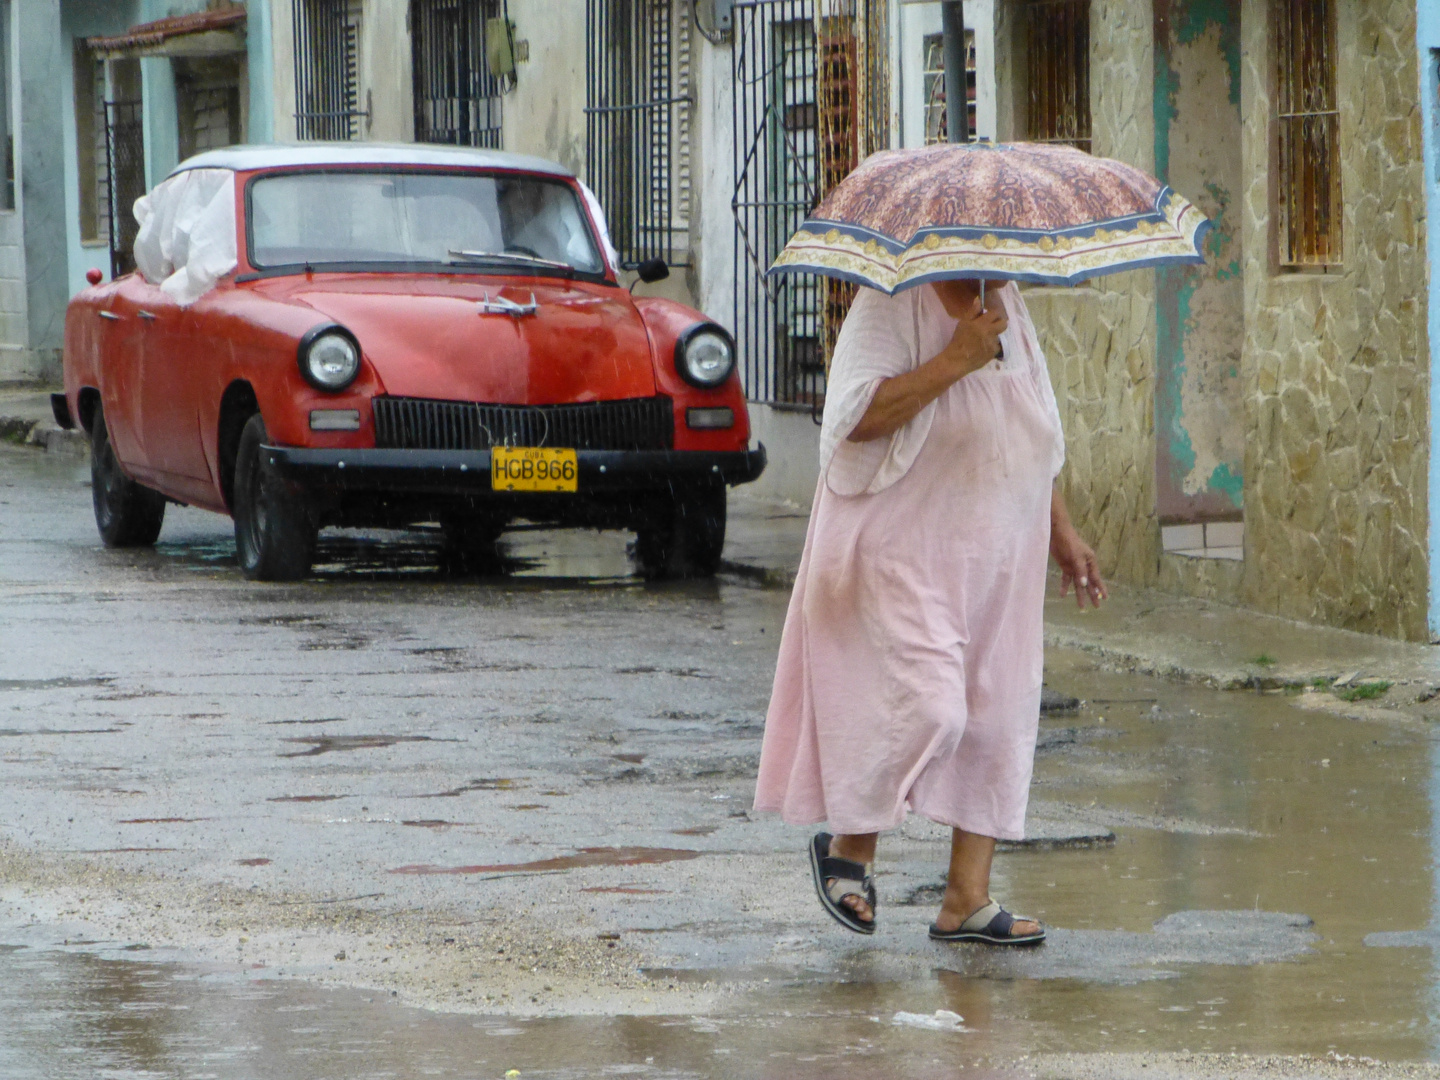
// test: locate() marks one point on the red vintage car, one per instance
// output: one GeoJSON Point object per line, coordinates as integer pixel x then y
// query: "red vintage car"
{"type": "Point", "coordinates": [366, 335]}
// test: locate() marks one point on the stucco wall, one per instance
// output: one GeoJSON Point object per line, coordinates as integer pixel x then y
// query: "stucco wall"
{"type": "Point", "coordinates": [1334, 369]}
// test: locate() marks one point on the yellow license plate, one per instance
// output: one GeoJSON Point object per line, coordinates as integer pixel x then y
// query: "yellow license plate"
{"type": "Point", "coordinates": [532, 468]}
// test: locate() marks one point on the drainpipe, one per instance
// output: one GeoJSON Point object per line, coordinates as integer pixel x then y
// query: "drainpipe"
{"type": "Point", "coordinates": [957, 108]}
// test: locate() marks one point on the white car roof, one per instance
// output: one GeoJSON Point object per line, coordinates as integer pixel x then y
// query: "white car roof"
{"type": "Point", "coordinates": [281, 155]}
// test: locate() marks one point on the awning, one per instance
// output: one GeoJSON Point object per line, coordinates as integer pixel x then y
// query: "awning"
{"type": "Point", "coordinates": [220, 32]}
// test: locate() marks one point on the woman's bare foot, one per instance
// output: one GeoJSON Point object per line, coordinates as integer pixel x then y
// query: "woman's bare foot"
{"type": "Point", "coordinates": [955, 908]}
{"type": "Point", "coordinates": [967, 888]}
{"type": "Point", "coordinates": [860, 848]}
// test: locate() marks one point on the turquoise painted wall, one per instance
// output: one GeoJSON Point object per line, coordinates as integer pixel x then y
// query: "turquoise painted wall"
{"type": "Point", "coordinates": [1199, 427]}
{"type": "Point", "coordinates": [92, 18]}
{"type": "Point", "coordinates": [1427, 39]}
{"type": "Point", "coordinates": [259, 44]}
{"type": "Point", "coordinates": [82, 19]}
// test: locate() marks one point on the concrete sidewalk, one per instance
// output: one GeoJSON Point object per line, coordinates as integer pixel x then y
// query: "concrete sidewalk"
{"type": "Point", "coordinates": [25, 417]}
{"type": "Point", "coordinates": [1156, 633]}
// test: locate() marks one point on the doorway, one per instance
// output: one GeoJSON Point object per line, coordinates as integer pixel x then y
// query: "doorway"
{"type": "Point", "coordinates": [1200, 324]}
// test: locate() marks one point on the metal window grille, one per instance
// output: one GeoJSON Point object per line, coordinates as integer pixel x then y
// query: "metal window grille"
{"type": "Point", "coordinates": [457, 96]}
{"type": "Point", "coordinates": [125, 170]}
{"type": "Point", "coordinates": [1058, 61]}
{"type": "Point", "coordinates": [810, 100]}
{"type": "Point", "coordinates": [327, 69]}
{"type": "Point", "coordinates": [424, 424]}
{"type": "Point", "coordinates": [1307, 121]}
{"type": "Point", "coordinates": [937, 126]}
{"type": "Point", "coordinates": [633, 106]}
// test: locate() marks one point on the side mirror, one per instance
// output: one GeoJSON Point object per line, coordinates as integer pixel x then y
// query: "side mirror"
{"type": "Point", "coordinates": [94, 275]}
{"type": "Point", "coordinates": [652, 270]}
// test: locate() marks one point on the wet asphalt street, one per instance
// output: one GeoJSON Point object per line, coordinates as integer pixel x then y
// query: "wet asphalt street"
{"type": "Point", "coordinates": [397, 821]}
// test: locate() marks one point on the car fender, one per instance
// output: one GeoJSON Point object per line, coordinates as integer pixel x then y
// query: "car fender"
{"type": "Point", "coordinates": [665, 321]}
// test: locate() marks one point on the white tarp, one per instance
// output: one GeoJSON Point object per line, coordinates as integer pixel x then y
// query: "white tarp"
{"type": "Point", "coordinates": [187, 232]}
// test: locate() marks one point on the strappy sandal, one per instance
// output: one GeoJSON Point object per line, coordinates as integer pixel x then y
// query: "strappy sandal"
{"type": "Point", "coordinates": [845, 878]}
{"type": "Point", "coordinates": [992, 925]}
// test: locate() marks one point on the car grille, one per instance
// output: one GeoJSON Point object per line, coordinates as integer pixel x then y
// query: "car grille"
{"type": "Point", "coordinates": [421, 424]}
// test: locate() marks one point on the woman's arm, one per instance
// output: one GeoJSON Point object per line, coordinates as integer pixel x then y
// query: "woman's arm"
{"type": "Point", "coordinates": [898, 399]}
{"type": "Point", "coordinates": [1076, 559]}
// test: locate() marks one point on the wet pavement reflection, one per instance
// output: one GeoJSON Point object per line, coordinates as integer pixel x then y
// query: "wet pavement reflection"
{"type": "Point", "coordinates": [1221, 870]}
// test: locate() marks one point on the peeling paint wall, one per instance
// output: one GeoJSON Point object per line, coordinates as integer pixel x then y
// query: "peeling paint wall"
{"type": "Point", "coordinates": [1200, 318]}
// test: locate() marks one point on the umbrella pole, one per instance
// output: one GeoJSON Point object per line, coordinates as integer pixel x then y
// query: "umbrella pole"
{"type": "Point", "coordinates": [957, 107]}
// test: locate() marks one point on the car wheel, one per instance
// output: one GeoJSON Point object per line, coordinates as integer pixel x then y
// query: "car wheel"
{"type": "Point", "coordinates": [274, 529]}
{"type": "Point", "coordinates": [682, 534]}
{"type": "Point", "coordinates": [126, 513]}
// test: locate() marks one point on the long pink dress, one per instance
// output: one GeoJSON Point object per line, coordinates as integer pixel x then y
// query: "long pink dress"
{"type": "Point", "coordinates": [910, 665]}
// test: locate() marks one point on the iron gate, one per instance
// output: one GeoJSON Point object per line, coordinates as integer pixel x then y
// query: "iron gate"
{"type": "Point", "coordinates": [327, 73]}
{"type": "Point", "coordinates": [631, 104]}
{"type": "Point", "coordinates": [125, 171]}
{"type": "Point", "coordinates": [457, 96]}
{"type": "Point", "coordinates": [778, 320]}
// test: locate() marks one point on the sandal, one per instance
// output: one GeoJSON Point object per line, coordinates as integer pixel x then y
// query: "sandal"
{"type": "Point", "coordinates": [992, 925]}
{"type": "Point", "coordinates": [845, 878]}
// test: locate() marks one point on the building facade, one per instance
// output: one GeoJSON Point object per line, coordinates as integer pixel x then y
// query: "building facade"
{"type": "Point", "coordinates": [1255, 430]}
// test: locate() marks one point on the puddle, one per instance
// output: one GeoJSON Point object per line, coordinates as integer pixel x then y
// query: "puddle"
{"type": "Point", "coordinates": [53, 684]}
{"type": "Point", "coordinates": [434, 823]}
{"type": "Point", "coordinates": [595, 856]}
{"type": "Point", "coordinates": [325, 744]}
{"type": "Point", "coordinates": [253, 862]}
{"type": "Point", "coordinates": [483, 784]}
{"type": "Point", "coordinates": [160, 820]}
{"type": "Point", "coordinates": [307, 798]}
{"type": "Point", "coordinates": [70, 1013]}
{"type": "Point", "coordinates": [695, 830]}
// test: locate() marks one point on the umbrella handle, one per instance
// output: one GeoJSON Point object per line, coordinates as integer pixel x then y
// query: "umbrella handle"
{"type": "Point", "coordinates": [1001, 354]}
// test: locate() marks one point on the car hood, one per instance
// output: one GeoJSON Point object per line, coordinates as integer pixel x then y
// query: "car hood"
{"type": "Point", "coordinates": [449, 339]}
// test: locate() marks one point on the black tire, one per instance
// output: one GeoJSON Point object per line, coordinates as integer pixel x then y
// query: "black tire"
{"type": "Point", "coordinates": [274, 528]}
{"type": "Point", "coordinates": [126, 513]}
{"type": "Point", "coordinates": [682, 534]}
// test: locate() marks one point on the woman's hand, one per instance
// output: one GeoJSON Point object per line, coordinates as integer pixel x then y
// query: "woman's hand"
{"type": "Point", "coordinates": [1079, 569]}
{"type": "Point", "coordinates": [898, 400]}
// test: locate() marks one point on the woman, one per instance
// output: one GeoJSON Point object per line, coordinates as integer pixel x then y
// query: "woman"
{"type": "Point", "coordinates": [910, 666]}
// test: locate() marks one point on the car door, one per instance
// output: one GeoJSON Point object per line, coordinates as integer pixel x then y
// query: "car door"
{"type": "Point", "coordinates": [171, 367]}
{"type": "Point", "coordinates": [121, 344]}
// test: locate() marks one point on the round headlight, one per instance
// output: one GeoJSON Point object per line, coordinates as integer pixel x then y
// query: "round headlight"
{"type": "Point", "coordinates": [329, 358]}
{"type": "Point", "coordinates": [705, 356]}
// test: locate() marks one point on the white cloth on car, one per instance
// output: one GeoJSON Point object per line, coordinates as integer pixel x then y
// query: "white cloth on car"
{"type": "Point", "coordinates": [186, 241]}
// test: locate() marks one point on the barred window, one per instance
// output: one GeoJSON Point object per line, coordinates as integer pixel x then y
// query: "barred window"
{"type": "Point", "coordinates": [1058, 62]}
{"type": "Point", "coordinates": [327, 69]}
{"type": "Point", "coordinates": [1307, 121]}
{"type": "Point", "coordinates": [637, 108]}
{"type": "Point", "coordinates": [457, 94]}
{"type": "Point", "coordinates": [90, 145]}
{"type": "Point", "coordinates": [937, 126]}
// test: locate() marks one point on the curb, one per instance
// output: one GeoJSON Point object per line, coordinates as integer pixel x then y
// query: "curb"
{"type": "Point", "coordinates": [44, 435]}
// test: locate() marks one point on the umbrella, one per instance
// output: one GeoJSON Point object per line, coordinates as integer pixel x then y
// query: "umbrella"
{"type": "Point", "coordinates": [1036, 212]}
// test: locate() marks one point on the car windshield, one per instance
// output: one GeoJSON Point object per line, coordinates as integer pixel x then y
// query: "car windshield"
{"type": "Point", "coordinates": [419, 217]}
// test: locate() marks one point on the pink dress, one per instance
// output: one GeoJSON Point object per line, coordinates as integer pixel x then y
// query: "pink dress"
{"type": "Point", "coordinates": [910, 665]}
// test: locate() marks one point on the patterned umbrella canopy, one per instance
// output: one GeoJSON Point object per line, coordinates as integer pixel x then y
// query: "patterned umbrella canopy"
{"type": "Point", "coordinates": [1033, 212]}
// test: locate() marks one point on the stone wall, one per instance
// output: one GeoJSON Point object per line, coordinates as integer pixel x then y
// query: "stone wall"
{"type": "Point", "coordinates": [1335, 366]}
{"type": "Point", "coordinates": [1100, 338]}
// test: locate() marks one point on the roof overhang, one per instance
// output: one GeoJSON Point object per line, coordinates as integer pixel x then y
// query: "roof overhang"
{"type": "Point", "coordinates": [220, 32]}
